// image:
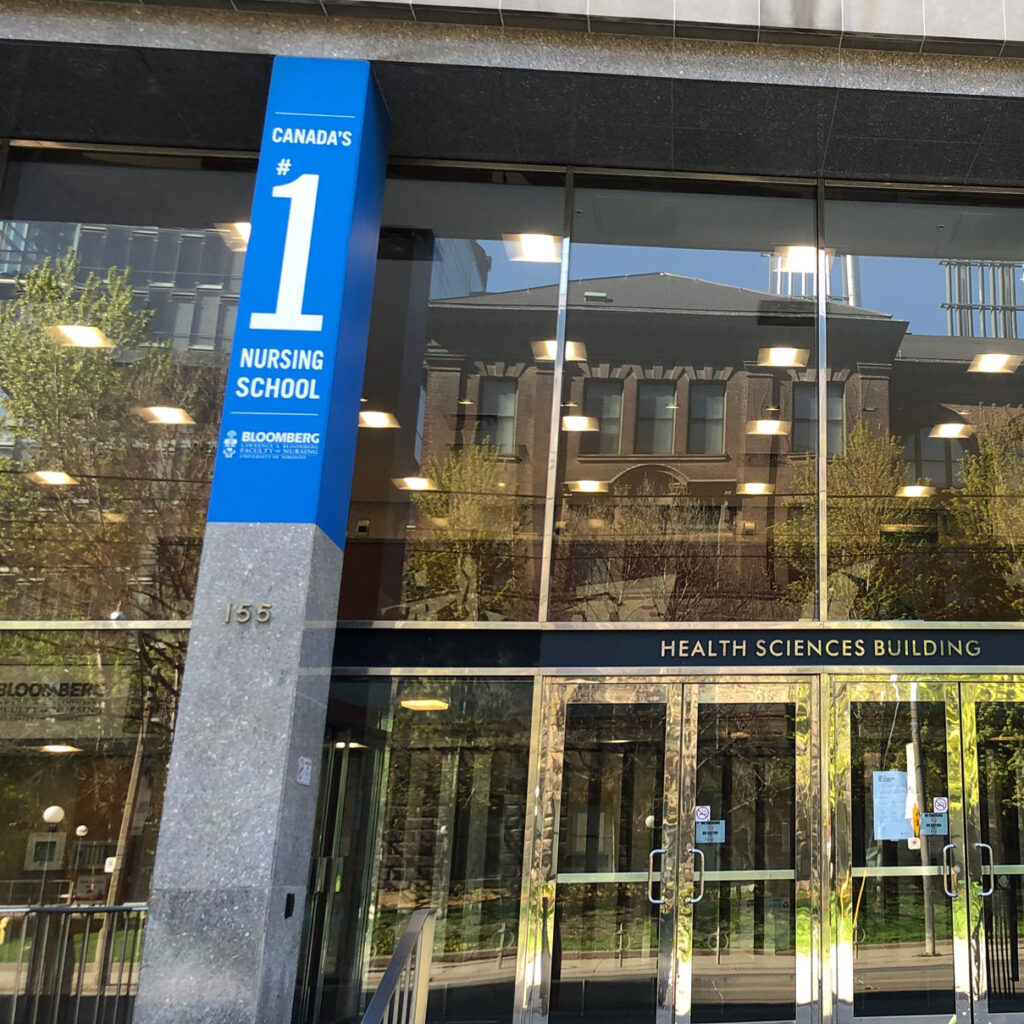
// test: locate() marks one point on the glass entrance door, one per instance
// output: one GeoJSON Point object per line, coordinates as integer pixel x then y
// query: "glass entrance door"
{"type": "Point", "coordinates": [670, 874]}
{"type": "Point", "coordinates": [929, 779]}
{"type": "Point", "coordinates": [745, 936]}
{"type": "Point", "coordinates": [993, 741]}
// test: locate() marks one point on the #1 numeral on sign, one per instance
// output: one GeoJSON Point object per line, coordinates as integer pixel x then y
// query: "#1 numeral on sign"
{"type": "Point", "coordinates": [298, 237]}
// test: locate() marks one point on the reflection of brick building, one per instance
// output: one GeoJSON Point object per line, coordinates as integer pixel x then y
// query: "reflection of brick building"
{"type": "Point", "coordinates": [663, 371]}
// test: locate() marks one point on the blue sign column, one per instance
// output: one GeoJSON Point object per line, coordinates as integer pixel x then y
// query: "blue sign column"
{"type": "Point", "coordinates": [226, 907]}
{"type": "Point", "coordinates": [292, 400]}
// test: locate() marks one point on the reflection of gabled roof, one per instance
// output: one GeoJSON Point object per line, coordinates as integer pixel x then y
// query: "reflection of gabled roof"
{"type": "Point", "coordinates": [651, 293]}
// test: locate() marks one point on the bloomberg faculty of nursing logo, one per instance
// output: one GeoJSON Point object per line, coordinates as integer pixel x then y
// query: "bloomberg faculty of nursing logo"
{"type": "Point", "coordinates": [270, 444]}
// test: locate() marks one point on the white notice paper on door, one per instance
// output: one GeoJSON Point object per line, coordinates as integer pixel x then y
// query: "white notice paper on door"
{"type": "Point", "coordinates": [889, 798]}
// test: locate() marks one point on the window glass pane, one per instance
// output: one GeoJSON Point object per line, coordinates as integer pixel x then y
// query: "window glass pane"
{"type": "Point", "coordinates": [655, 417]}
{"type": "Point", "coordinates": [805, 417]}
{"type": "Point", "coordinates": [447, 508]}
{"type": "Point", "coordinates": [497, 421]}
{"type": "Point", "coordinates": [699, 307]}
{"type": "Point", "coordinates": [149, 256]}
{"type": "Point", "coordinates": [707, 419]}
{"type": "Point", "coordinates": [602, 400]}
{"type": "Point", "coordinates": [835, 424]}
{"type": "Point", "coordinates": [924, 328]}
{"type": "Point", "coordinates": [86, 721]}
{"type": "Point", "coordinates": [435, 772]}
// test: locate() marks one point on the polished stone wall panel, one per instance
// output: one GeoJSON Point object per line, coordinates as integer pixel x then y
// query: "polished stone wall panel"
{"type": "Point", "coordinates": [237, 825]}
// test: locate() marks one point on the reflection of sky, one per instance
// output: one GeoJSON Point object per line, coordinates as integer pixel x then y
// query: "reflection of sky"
{"type": "Point", "coordinates": [908, 289]}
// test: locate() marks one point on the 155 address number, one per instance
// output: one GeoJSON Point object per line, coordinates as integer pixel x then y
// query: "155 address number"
{"type": "Point", "coordinates": [246, 611]}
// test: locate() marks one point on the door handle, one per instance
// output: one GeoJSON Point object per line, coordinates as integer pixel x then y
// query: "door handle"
{"type": "Point", "coordinates": [991, 868]}
{"type": "Point", "coordinates": [700, 894]}
{"type": "Point", "coordinates": [947, 872]}
{"type": "Point", "coordinates": [650, 876]}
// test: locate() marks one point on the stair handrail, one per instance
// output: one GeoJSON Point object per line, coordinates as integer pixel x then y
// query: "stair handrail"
{"type": "Point", "coordinates": [401, 996]}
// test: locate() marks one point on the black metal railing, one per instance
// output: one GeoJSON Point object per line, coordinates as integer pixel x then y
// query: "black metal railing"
{"type": "Point", "coordinates": [401, 996]}
{"type": "Point", "coordinates": [70, 964]}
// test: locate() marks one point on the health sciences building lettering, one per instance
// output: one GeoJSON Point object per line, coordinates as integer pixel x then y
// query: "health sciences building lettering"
{"type": "Point", "coordinates": [785, 650]}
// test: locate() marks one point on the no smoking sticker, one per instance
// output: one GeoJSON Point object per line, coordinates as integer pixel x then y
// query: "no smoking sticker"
{"type": "Point", "coordinates": [940, 804]}
{"type": "Point", "coordinates": [702, 812]}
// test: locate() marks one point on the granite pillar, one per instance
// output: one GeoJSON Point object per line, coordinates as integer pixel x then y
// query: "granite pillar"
{"type": "Point", "coordinates": [233, 859]}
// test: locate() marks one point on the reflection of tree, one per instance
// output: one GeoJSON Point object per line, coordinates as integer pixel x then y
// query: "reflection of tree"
{"type": "Point", "coordinates": [465, 561]}
{"type": "Point", "coordinates": [876, 560]}
{"type": "Point", "coordinates": [987, 512]}
{"type": "Point", "coordinates": [651, 552]}
{"type": "Point", "coordinates": [127, 534]}
{"type": "Point", "coordinates": [960, 556]}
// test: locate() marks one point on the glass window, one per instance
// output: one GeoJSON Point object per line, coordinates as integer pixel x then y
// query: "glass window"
{"type": "Point", "coordinates": [447, 509]}
{"type": "Point", "coordinates": [496, 424]}
{"type": "Point", "coordinates": [926, 501]}
{"type": "Point", "coordinates": [934, 461]}
{"type": "Point", "coordinates": [655, 417]}
{"type": "Point", "coordinates": [602, 400]}
{"type": "Point", "coordinates": [701, 300]}
{"type": "Point", "coordinates": [86, 720]}
{"type": "Point", "coordinates": [805, 418]}
{"type": "Point", "coordinates": [426, 780]}
{"type": "Point", "coordinates": [706, 431]}
{"type": "Point", "coordinates": [111, 428]}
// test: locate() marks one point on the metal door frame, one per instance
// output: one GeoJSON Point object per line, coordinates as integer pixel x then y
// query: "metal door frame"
{"type": "Point", "coordinates": [682, 696]}
{"type": "Point", "coordinates": [533, 974]}
{"type": "Point", "coordinates": [973, 691]}
{"type": "Point", "coordinates": [842, 690]}
{"type": "Point", "coordinates": [801, 691]}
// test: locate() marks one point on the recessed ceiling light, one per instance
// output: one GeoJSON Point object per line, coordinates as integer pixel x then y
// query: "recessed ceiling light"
{"type": "Point", "coordinates": [52, 478]}
{"type": "Point", "coordinates": [995, 362]}
{"type": "Point", "coordinates": [950, 430]}
{"type": "Point", "coordinates": [79, 336]}
{"type": "Point", "coordinates": [172, 415]}
{"type": "Point", "coordinates": [915, 491]}
{"type": "Point", "coordinates": [414, 483]}
{"type": "Point", "coordinates": [60, 748]}
{"type": "Point", "coordinates": [236, 234]}
{"type": "Point", "coordinates": [769, 428]}
{"type": "Point", "coordinates": [798, 259]}
{"type": "Point", "coordinates": [783, 355]}
{"type": "Point", "coordinates": [533, 248]}
{"type": "Point", "coordinates": [377, 420]}
{"type": "Point", "coordinates": [425, 704]}
{"type": "Point", "coordinates": [545, 351]}
{"type": "Point", "coordinates": [465, 401]}
{"type": "Point", "coordinates": [587, 486]}
{"type": "Point", "coordinates": [755, 488]}
{"type": "Point", "coordinates": [580, 423]}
